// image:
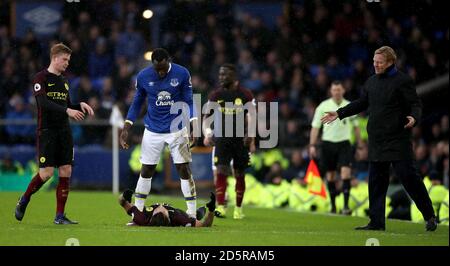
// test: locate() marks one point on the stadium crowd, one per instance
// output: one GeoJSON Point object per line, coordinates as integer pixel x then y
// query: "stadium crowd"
{"type": "Point", "coordinates": [291, 62]}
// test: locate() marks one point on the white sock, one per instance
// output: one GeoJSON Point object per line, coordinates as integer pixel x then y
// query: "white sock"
{"type": "Point", "coordinates": [143, 188]}
{"type": "Point", "coordinates": [190, 195]}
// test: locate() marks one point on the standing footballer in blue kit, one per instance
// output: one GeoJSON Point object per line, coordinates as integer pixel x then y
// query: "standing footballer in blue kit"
{"type": "Point", "coordinates": [163, 84]}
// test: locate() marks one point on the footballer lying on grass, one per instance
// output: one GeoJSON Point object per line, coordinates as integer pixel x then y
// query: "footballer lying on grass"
{"type": "Point", "coordinates": [166, 215]}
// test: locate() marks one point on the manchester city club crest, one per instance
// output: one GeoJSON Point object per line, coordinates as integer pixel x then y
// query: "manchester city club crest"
{"type": "Point", "coordinates": [174, 82]}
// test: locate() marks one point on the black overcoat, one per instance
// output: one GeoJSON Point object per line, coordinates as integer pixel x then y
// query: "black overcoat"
{"type": "Point", "coordinates": [388, 98]}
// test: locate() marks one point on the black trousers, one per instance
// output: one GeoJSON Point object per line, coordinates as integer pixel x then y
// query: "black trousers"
{"type": "Point", "coordinates": [408, 174]}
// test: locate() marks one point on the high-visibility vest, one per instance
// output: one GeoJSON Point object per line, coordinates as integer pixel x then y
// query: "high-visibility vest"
{"type": "Point", "coordinates": [275, 155]}
{"type": "Point", "coordinates": [135, 160]}
{"type": "Point", "coordinates": [299, 197]}
{"type": "Point", "coordinates": [361, 122]}
{"type": "Point", "coordinates": [359, 200]}
{"type": "Point", "coordinates": [231, 193]}
{"type": "Point", "coordinates": [253, 190]}
{"type": "Point", "coordinates": [416, 215]}
{"type": "Point", "coordinates": [280, 193]}
{"type": "Point", "coordinates": [256, 161]}
{"type": "Point", "coordinates": [443, 211]}
{"type": "Point", "coordinates": [437, 195]}
{"type": "Point", "coordinates": [388, 206]}
{"type": "Point", "coordinates": [427, 182]}
{"type": "Point", "coordinates": [32, 166]}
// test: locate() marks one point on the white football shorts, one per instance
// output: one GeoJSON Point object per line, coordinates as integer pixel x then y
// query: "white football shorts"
{"type": "Point", "coordinates": [153, 144]}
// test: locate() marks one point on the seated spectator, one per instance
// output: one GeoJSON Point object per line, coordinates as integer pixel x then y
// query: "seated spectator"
{"type": "Point", "coordinates": [95, 133]}
{"type": "Point", "coordinates": [422, 158]}
{"type": "Point", "coordinates": [100, 60]}
{"type": "Point", "coordinates": [85, 90]}
{"type": "Point", "coordinates": [107, 93]}
{"type": "Point", "coordinates": [246, 64]}
{"type": "Point", "coordinates": [361, 163]}
{"type": "Point", "coordinates": [10, 166]}
{"type": "Point", "coordinates": [290, 137]}
{"type": "Point", "coordinates": [254, 83]}
{"type": "Point", "coordinates": [297, 166]}
{"type": "Point", "coordinates": [274, 176]}
{"type": "Point", "coordinates": [19, 111]}
{"type": "Point", "coordinates": [130, 44]}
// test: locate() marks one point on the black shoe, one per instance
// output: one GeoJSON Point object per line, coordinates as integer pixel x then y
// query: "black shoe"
{"type": "Point", "coordinates": [371, 227]}
{"type": "Point", "coordinates": [62, 219]}
{"type": "Point", "coordinates": [333, 210]}
{"type": "Point", "coordinates": [431, 224]}
{"type": "Point", "coordinates": [201, 212]}
{"type": "Point", "coordinates": [346, 211]}
{"type": "Point", "coordinates": [127, 194]}
{"type": "Point", "coordinates": [125, 197]}
{"type": "Point", "coordinates": [21, 208]}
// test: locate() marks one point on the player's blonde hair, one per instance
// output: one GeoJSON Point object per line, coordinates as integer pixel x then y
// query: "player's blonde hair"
{"type": "Point", "coordinates": [388, 53]}
{"type": "Point", "coordinates": [59, 48]}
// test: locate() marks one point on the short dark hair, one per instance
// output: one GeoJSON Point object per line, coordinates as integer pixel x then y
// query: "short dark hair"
{"type": "Point", "coordinates": [159, 54]}
{"type": "Point", "coordinates": [337, 83]}
{"type": "Point", "coordinates": [230, 67]}
{"type": "Point", "coordinates": [159, 219]}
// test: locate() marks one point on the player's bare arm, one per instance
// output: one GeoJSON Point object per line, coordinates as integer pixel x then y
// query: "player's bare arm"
{"type": "Point", "coordinates": [124, 135]}
{"type": "Point", "coordinates": [86, 108]}
{"type": "Point", "coordinates": [411, 122]}
{"type": "Point", "coordinates": [75, 114]}
{"type": "Point", "coordinates": [211, 205]}
{"type": "Point", "coordinates": [207, 131]}
{"type": "Point", "coordinates": [313, 136]}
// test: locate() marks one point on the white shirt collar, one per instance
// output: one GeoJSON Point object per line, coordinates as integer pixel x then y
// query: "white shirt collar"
{"type": "Point", "coordinates": [170, 67]}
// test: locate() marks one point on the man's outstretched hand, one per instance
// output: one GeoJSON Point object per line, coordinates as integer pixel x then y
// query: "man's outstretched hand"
{"type": "Point", "coordinates": [329, 117]}
{"type": "Point", "coordinates": [211, 205]}
{"type": "Point", "coordinates": [411, 122]}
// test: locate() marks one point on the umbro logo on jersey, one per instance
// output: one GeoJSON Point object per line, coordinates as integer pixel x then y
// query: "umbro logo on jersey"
{"type": "Point", "coordinates": [151, 83]}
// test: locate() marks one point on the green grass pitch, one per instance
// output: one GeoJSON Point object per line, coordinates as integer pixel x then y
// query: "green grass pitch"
{"type": "Point", "coordinates": [102, 222]}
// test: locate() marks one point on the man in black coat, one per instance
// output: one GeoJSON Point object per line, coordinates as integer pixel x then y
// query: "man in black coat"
{"type": "Point", "coordinates": [394, 108]}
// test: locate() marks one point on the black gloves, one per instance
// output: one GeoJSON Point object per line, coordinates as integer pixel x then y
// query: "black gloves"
{"type": "Point", "coordinates": [211, 205]}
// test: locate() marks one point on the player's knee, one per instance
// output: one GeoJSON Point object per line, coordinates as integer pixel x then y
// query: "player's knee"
{"type": "Point", "coordinates": [239, 172]}
{"type": "Point", "coordinates": [46, 173]}
{"type": "Point", "coordinates": [183, 170]}
{"type": "Point", "coordinates": [345, 173]}
{"type": "Point", "coordinates": [223, 170]}
{"type": "Point", "coordinates": [147, 170]}
{"type": "Point", "coordinates": [330, 176]}
{"type": "Point", "coordinates": [65, 170]}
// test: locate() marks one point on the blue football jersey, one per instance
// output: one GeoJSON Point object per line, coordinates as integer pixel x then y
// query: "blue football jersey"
{"type": "Point", "coordinates": [163, 93]}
